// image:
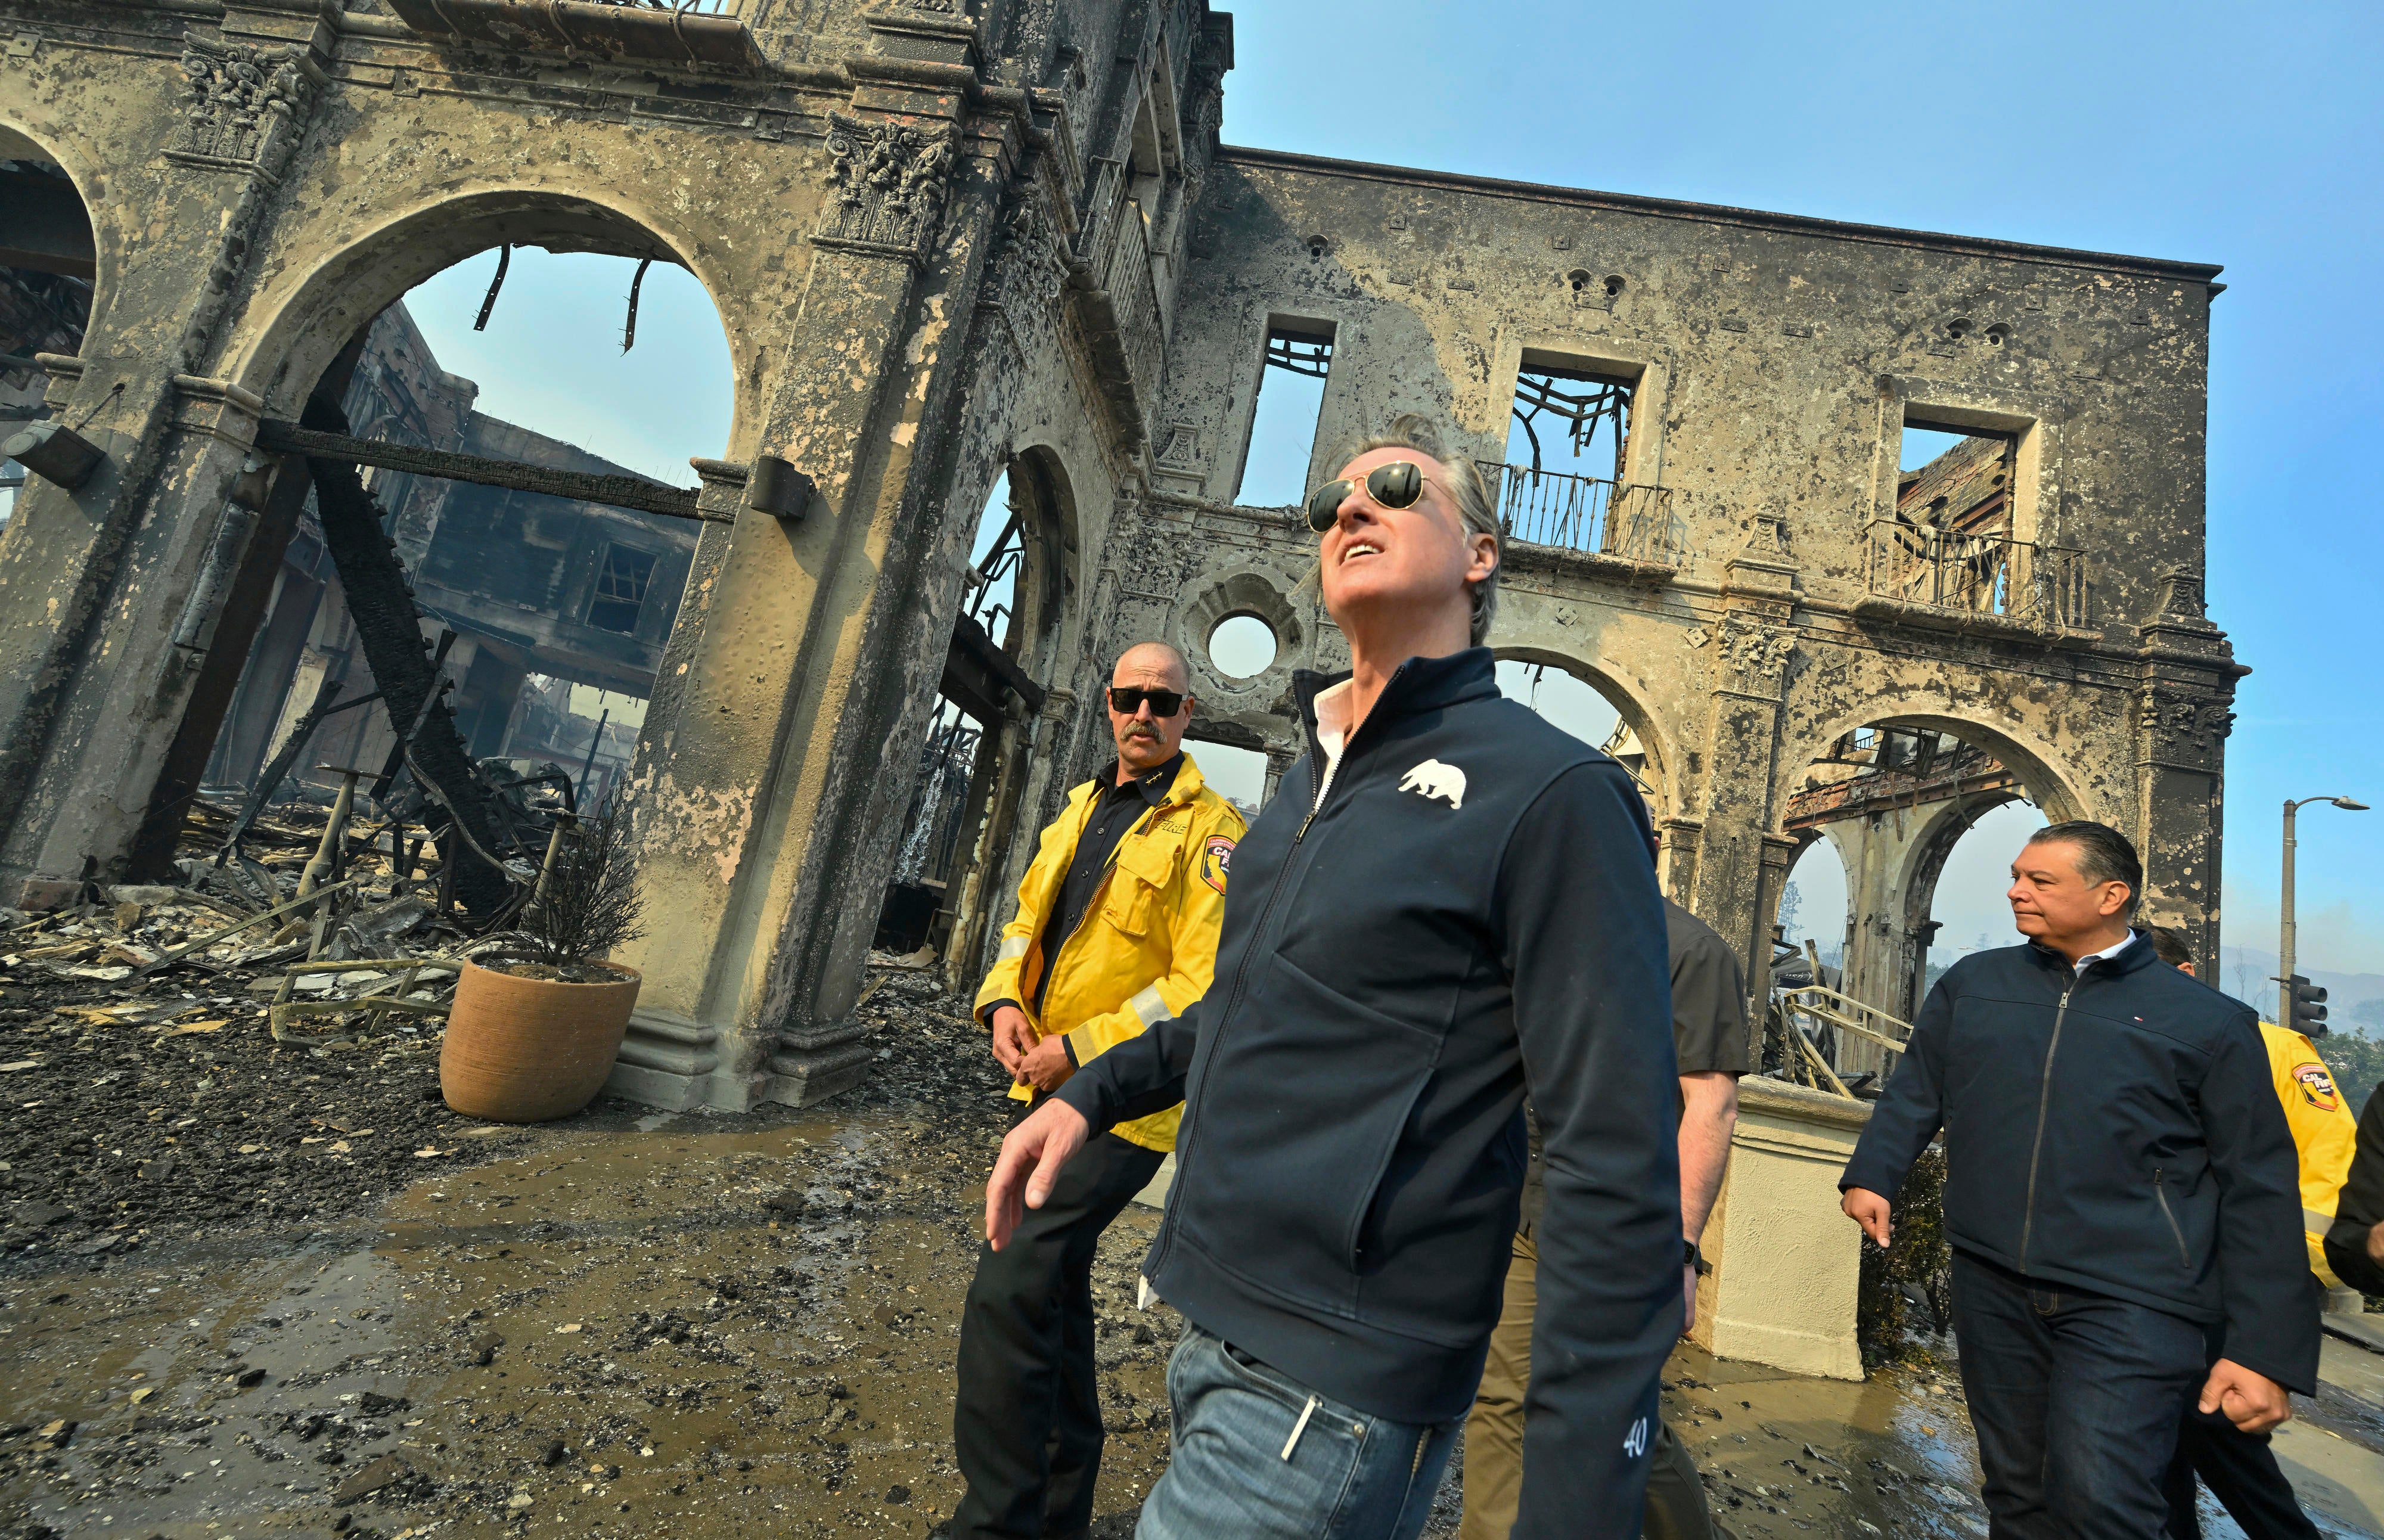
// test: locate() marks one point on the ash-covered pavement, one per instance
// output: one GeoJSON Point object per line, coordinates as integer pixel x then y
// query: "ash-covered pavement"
{"type": "Point", "coordinates": [326, 1305]}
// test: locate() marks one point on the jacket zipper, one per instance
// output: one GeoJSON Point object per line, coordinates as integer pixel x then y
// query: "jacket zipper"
{"type": "Point", "coordinates": [2043, 1102]}
{"type": "Point", "coordinates": [2160, 1192]}
{"type": "Point", "coordinates": [1242, 974]}
{"type": "Point", "coordinates": [1324, 786]}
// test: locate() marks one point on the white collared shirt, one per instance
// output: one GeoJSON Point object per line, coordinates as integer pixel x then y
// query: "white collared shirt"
{"type": "Point", "coordinates": [2107, 952]}
{"type": "Point", "coordinates": [1333, 709]}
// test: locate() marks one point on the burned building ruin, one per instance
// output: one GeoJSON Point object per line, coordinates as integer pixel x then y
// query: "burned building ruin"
{"type": "Point", "coordinates": [960, 242]}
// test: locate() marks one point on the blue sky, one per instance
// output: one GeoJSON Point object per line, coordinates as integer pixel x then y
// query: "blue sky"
{"type": "Point", "coordinates": [2239, 135]}
{"type": "Point", "coordinates": [2236, 134]}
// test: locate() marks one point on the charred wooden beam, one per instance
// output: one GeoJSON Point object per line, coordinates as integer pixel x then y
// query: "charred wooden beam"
{"type": "Point", "coordinates": [978, 675]}
{"type": "Point", "coordinates": [618, 492]}
{"type": "Point", "coordinates": [387, 623]}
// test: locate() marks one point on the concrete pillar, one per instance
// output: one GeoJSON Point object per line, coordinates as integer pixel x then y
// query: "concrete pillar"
{"type": "Point", "coordinates": [1737, 866]}
{"type": "Point", "coordinates": [1786, 1263]}
{"type": "Point", "coordinates": [805, 648]}
{"type": "Point", "coordinates": [2185, 712]}
{"type": "Point", "coordinates": [112, 594]}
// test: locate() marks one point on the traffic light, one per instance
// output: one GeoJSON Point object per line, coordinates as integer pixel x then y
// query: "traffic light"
{"type": "Point", "coordinates": [2308, 1006]}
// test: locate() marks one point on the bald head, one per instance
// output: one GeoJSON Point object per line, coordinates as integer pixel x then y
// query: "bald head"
{"type": "Point", "coordinates": [1148, 737]}
{"type": "Point", "coordinates": [1152, 663]}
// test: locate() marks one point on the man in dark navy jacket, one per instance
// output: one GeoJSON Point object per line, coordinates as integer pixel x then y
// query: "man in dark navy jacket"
{"type": "Point", "coordinates": [2119, 1180]}
{"type": "Point", "coordinates": [1448, 895]}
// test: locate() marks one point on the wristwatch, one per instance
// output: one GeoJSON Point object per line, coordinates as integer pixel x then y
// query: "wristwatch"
{"type": "Point", "coordinates": [1692, 1257]}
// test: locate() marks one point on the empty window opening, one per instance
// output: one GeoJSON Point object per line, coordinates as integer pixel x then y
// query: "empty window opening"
{"type": "Point", "coordinates": [620, 588]}
{"type": "Point", "coordinates": [1951, 541]}
{"type": "Point", "coordinates": [1242, 646]}
{"type": "Point", "coordinates": [1569, 421]}
{"type": "Point", "coordinates": [994, 560]}
{"type": "Point", "coordinates": [1284, 419]}
{"type": "Point", "coordinates": [1567, 443]}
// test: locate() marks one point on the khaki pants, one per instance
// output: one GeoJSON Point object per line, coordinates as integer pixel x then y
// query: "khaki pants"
{"type": "Point", "coordinates": [1494, 1433]}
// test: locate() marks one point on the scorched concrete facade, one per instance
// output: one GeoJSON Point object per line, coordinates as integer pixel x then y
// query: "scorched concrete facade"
{"type": "Point", "coordinates": [949, 238]}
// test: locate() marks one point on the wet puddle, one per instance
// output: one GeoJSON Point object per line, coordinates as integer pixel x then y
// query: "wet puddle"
{"type": "Point", "coordinates": [722, 1327]}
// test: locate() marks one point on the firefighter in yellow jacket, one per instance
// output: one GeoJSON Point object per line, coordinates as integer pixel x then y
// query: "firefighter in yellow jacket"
{"type": "Point", "coordinates": [1116, 929]}
{"type": "Point", "coordinates": [2239, 1467]}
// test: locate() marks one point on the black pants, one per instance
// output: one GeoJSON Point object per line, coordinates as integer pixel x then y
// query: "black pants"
{"type": "Point", "coordinates": [2241, 1471]}
{"type": "Point", "coordinates": [2076, 1397]}
{"type": "Point", "coordinates": [1027, 1425]}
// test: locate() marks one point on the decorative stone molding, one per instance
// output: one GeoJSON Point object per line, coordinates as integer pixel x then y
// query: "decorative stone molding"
{"type": "Point", "coordinates": [2181, 729]}
{"type": "Point", "coordinates": [1756, 650]}
{"type": "Point", "coordinates": [243, 105]}
{"type": "Point", "coordinates": [1031, 262]}
{"type": "Point", "coordinates": [889, 180]}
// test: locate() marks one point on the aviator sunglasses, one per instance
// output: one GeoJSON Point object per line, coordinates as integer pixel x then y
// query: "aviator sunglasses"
{"type": "Point", "coordinates": [1395, 485]}
{"type": "Point", "coordinates": [1127, 699]}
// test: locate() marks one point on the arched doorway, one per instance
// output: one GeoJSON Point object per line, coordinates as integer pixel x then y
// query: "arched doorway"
{"type": "Point", "coordinates": [49, 275]}
{"type": "Point", "coordinates": [1595, 707]}
{"type": "Point", "coordinates": [1919, 812]}
{"type": "Point", "coordinates": [962, 843]}
{"type": "Point", "coordinates": [461, 585]}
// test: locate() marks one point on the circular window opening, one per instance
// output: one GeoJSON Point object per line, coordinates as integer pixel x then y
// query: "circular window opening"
{"type": "Point", "coordinates": [1242, 646]}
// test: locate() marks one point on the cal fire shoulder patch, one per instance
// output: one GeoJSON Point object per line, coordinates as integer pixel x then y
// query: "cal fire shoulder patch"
{"type": "Point", "coordinates": [2317, 1086]}
{"type": "Point", "coordinates": [1216, 861]}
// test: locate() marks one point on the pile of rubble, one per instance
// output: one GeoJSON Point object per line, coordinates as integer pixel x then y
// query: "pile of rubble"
{"type": "Point", "coordinates": [258, 1046]}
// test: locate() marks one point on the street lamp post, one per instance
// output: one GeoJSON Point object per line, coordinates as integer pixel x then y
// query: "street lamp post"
{"type": "Point", "coordinates": [2285, 937]}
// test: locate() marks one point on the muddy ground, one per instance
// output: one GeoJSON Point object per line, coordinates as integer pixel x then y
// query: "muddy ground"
{"type": "Point", "coordinates": [261, 1290]}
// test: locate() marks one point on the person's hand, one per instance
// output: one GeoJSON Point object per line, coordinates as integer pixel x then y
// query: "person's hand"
{"type": "Point", "coordinates": [2375, 1244]}
{"type": "Point", "coordinates": [1030, 1162]}
{"type": "Point", "coordinates": [1013, 1035]}
{"type": "Point", "coordinates": [1868, 1209]}
{"type": "Point", "coordinates": [1045, 1066]}
{"type": "Point", "coordinates": [1688, 1298]}
{"type": "Point", "coordinates": [2253, 1402]}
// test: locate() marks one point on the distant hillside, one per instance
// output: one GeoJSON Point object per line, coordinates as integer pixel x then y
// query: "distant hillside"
{"type": "Point", "coordinates": [2248, 973]}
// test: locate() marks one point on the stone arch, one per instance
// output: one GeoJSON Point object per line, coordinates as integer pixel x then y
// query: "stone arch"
{"type": "Point", "coordinates": [299, 325]}
{"type": "Point", "coordinates": [2043, 770]}
{"type": "Point", "coordinates": [1044, 496]}
{"type": "Point", "coordinates": [1893, 864]}
{"type": "Point", "coordinates": [1630, 699]}
{"type": "Point", "coordinates": [20, 142]}
{"type": "Point", "coordinates": [1011, 761]}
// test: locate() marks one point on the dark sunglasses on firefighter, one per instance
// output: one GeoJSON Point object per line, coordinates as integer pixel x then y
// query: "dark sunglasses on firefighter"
{"type": "Point", "coordinates": [1127, 699]}
{"type": "Point", "coordinates": [1397, 484]}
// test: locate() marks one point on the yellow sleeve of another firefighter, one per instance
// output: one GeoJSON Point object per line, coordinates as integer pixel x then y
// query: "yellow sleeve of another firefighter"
{"type": "Point", "coordinates": [1008, 978]}
{"type": "Point", "coordinates": [2326, 1131]}
{"type": "Point", "coordinates": [1191, 905]}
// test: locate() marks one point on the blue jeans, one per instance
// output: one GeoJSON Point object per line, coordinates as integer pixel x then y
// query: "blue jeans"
{"type": "Point", "coordinates": [1258, 1456]}
{"type": "Point", "coordinates": [2076, 1399]}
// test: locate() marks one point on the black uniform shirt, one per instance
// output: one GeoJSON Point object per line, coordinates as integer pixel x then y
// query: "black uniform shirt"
{"type": "Point", "coordinates": [1116, 810]}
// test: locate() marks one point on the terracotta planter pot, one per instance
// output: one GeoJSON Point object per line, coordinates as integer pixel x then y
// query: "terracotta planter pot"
{"type": "Point", "coordinates": [528, 1050]}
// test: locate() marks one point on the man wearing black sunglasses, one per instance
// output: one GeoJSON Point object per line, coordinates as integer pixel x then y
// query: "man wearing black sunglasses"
{"type": "Point", "coordinates": [1446, 893]}
{"type": "Point", "coordinates": [1116, 927]}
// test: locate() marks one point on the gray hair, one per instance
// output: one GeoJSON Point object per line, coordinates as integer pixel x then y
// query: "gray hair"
{"type": "Point", "coordinates": [2104, 854]}
{"type": "Point", "coordinates": [1465, 488]}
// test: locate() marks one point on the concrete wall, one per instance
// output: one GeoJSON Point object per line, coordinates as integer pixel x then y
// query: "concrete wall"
{"type": "Point", "coordinates": [1786, 1262]}
{"type": "Point", "coordinates": [942, 245]}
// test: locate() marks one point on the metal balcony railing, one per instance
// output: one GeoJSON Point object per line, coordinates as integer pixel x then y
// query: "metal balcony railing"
{"type": "Point", "coordinates": [1582, 513]}
{"type": "Point", "coordinates": [1989, 573]}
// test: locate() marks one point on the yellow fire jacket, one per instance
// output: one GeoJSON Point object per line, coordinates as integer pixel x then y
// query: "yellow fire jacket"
{"type": "Point", "coordinates": [2324, 1128]}
{"type": "Point", "coordinates": [1146, 946]}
